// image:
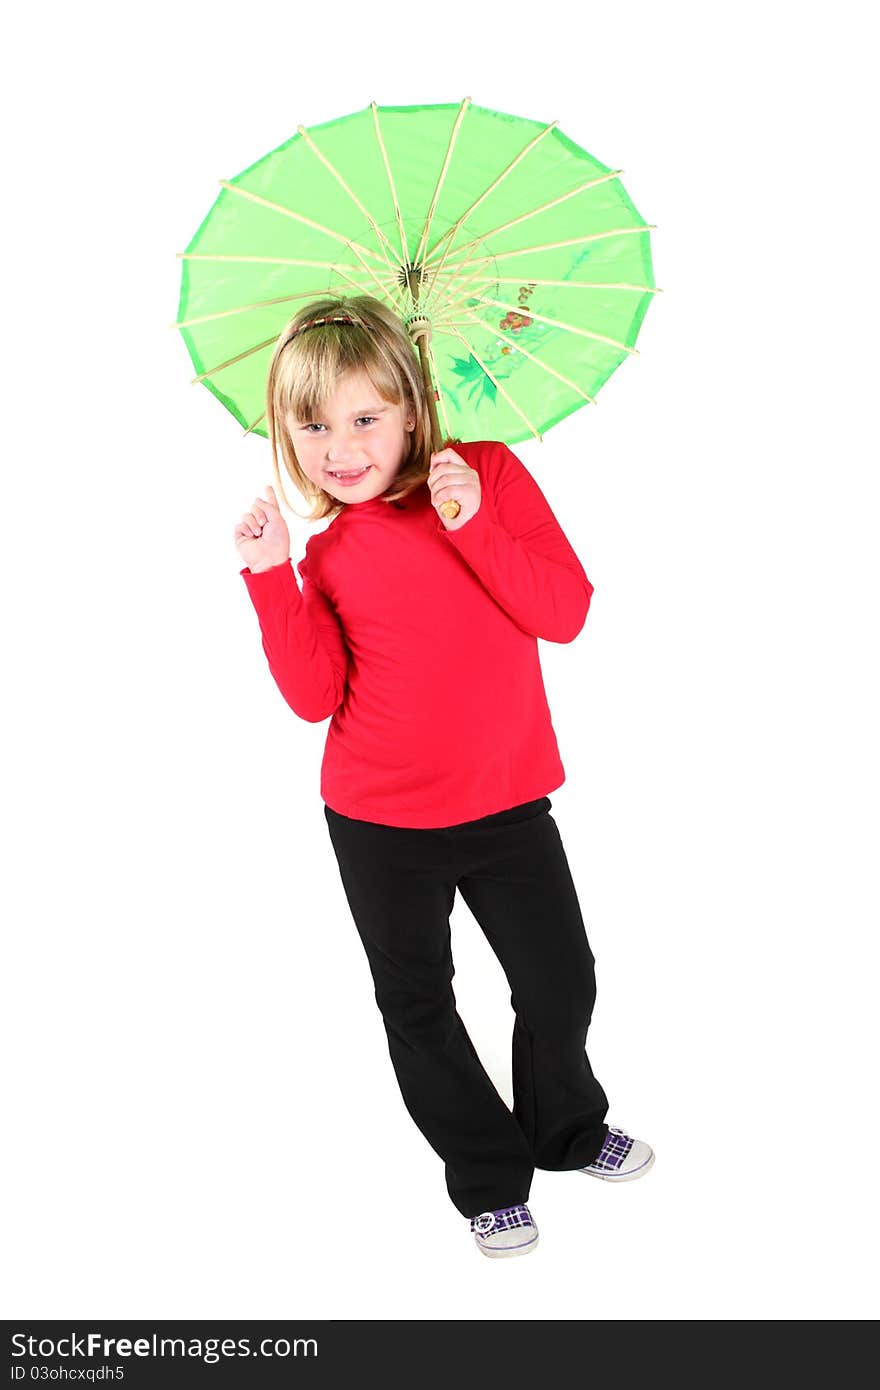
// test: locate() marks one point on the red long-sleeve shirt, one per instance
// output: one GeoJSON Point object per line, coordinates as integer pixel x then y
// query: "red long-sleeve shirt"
{"type": "Point", "coordinates": [420, 645]}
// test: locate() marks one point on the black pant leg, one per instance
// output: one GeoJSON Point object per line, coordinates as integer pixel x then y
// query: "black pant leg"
{"type": "Point", "coordinates": [400, 887]}
{"type": "Point", "coordinates": [522, 894]}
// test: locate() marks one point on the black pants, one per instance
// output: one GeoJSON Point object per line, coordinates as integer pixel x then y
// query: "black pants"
{"type": "Point", "coordinates": [512, 872]}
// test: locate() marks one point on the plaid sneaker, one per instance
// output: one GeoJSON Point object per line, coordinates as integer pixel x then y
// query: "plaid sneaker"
{"type": "Point", "coordinates": [621, 1157]}
{"type": "Point", "coordinates": [507, 1231]}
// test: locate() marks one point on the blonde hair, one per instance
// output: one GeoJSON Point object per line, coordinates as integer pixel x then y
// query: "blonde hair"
{"type": "Point", "coordinates": [304, 373]}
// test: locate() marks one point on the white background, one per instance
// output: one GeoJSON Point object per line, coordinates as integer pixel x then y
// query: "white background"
{"type": "Point", "coordinates": [204, 1118]}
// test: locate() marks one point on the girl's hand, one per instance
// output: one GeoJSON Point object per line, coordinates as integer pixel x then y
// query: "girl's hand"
{"type": "Point", "coordinates": [261, 536]}
{"type": "Point", "coordinates": [451, 477]}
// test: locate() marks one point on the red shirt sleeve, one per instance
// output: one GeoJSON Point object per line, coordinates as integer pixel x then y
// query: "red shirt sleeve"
{"type": "Point", "coordinates": [302, 639]}
{"type": "Point", "coordinates": [517, 549]}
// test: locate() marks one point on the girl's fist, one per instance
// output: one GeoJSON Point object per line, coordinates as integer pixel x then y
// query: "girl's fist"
{"type": "Point", "coordinates": [450, 477]}
{"type": "Point", "coordinates": [262, 537]}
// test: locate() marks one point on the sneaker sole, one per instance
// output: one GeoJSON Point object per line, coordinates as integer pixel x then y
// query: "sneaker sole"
{"type": "Point", "coordinates": [620, 1177]}
{"type": "Point", "coordinates": [501, 1252]}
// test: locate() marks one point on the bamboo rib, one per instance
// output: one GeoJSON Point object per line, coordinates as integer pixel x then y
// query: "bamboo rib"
{"type": "Point", "coordinates": [462, 298]}
{"type": "Point", "coordinates": [456, 284]}
{"type": "Point", "coordinates": [497, 384]}
{"type": "Point", "coordinates": [577, 284]}
{"type": "Point", "coordinates": [255, 260]}
{"type": "Point", "coordinates": [282, 299]}
{"type": "Point", "coordinates": [404, 249]}
{"type": "Point", "coordinates": [501, 280]}
{"type": "Point", "coordinates": [449, 273]}
{"type": "Point", "coordinates": [453, 305]}
{"type": "Point", "coordinates": [244, 308]}
{"type": "Point", "coordinates": [455, 291]}
{"type": "Point", "coordinates": [450, 231]}
{"type": "Point", "coordinates": [524, 217]}
{"type": "Point", "coordinates": [468, 290]}
{"type": "Point", "coordinates": [539, 362]}
{"type": "Point", "coordinates": [369, 270]}
{"type": "Point", "coordinates": [360, 288]}
{"type": "Point", "coordinates": [557, 323]}
{"type": "Point", "coordinates": [570, 241]}
{"type": "Point", "coordinates": [355, 199]}
{"type": "Point", "coordinates": [442, 175]}
{"type": "Point", "coordinates": [298, 217]}
{"type": "Point", "coordinates": [230, 361]}
{"type": "Point", "coordinates": [281, 260]}
{"type": "Point", "coordinates": [254, 424]}
{"type": "Point", "coordinates": [239, 357]}
{"type": "Point", "coordinates": [457, 281]}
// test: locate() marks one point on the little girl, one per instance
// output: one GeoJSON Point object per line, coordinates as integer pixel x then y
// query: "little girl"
{"type": "Point", "coordinates": [416, 635]}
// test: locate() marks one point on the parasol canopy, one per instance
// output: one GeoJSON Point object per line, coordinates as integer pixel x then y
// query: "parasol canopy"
{"type": "Point", "coordinates": [516, 260]}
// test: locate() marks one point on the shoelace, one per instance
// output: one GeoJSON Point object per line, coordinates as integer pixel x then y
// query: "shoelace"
{"type": "Point", "coordinates": [504, 1219]}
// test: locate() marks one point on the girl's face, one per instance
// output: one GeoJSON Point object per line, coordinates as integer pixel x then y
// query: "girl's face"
{"type": "Point", "coordinates": [357, 434]}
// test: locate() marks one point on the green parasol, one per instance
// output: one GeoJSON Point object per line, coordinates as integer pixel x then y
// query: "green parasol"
{"type": "Point", "coordinates": [517, 262]}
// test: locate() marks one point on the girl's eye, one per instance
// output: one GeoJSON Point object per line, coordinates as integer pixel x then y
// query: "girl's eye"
{"type": "Point", "coordinates": [317, 426]}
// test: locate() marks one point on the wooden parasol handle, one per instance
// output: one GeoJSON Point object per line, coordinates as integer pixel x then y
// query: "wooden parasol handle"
{"type": "Point", "coordinates": [420, 329]}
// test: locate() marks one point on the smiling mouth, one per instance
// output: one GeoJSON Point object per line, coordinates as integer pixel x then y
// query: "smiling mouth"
{"type": "Point", "coordinates": [351, 473]}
